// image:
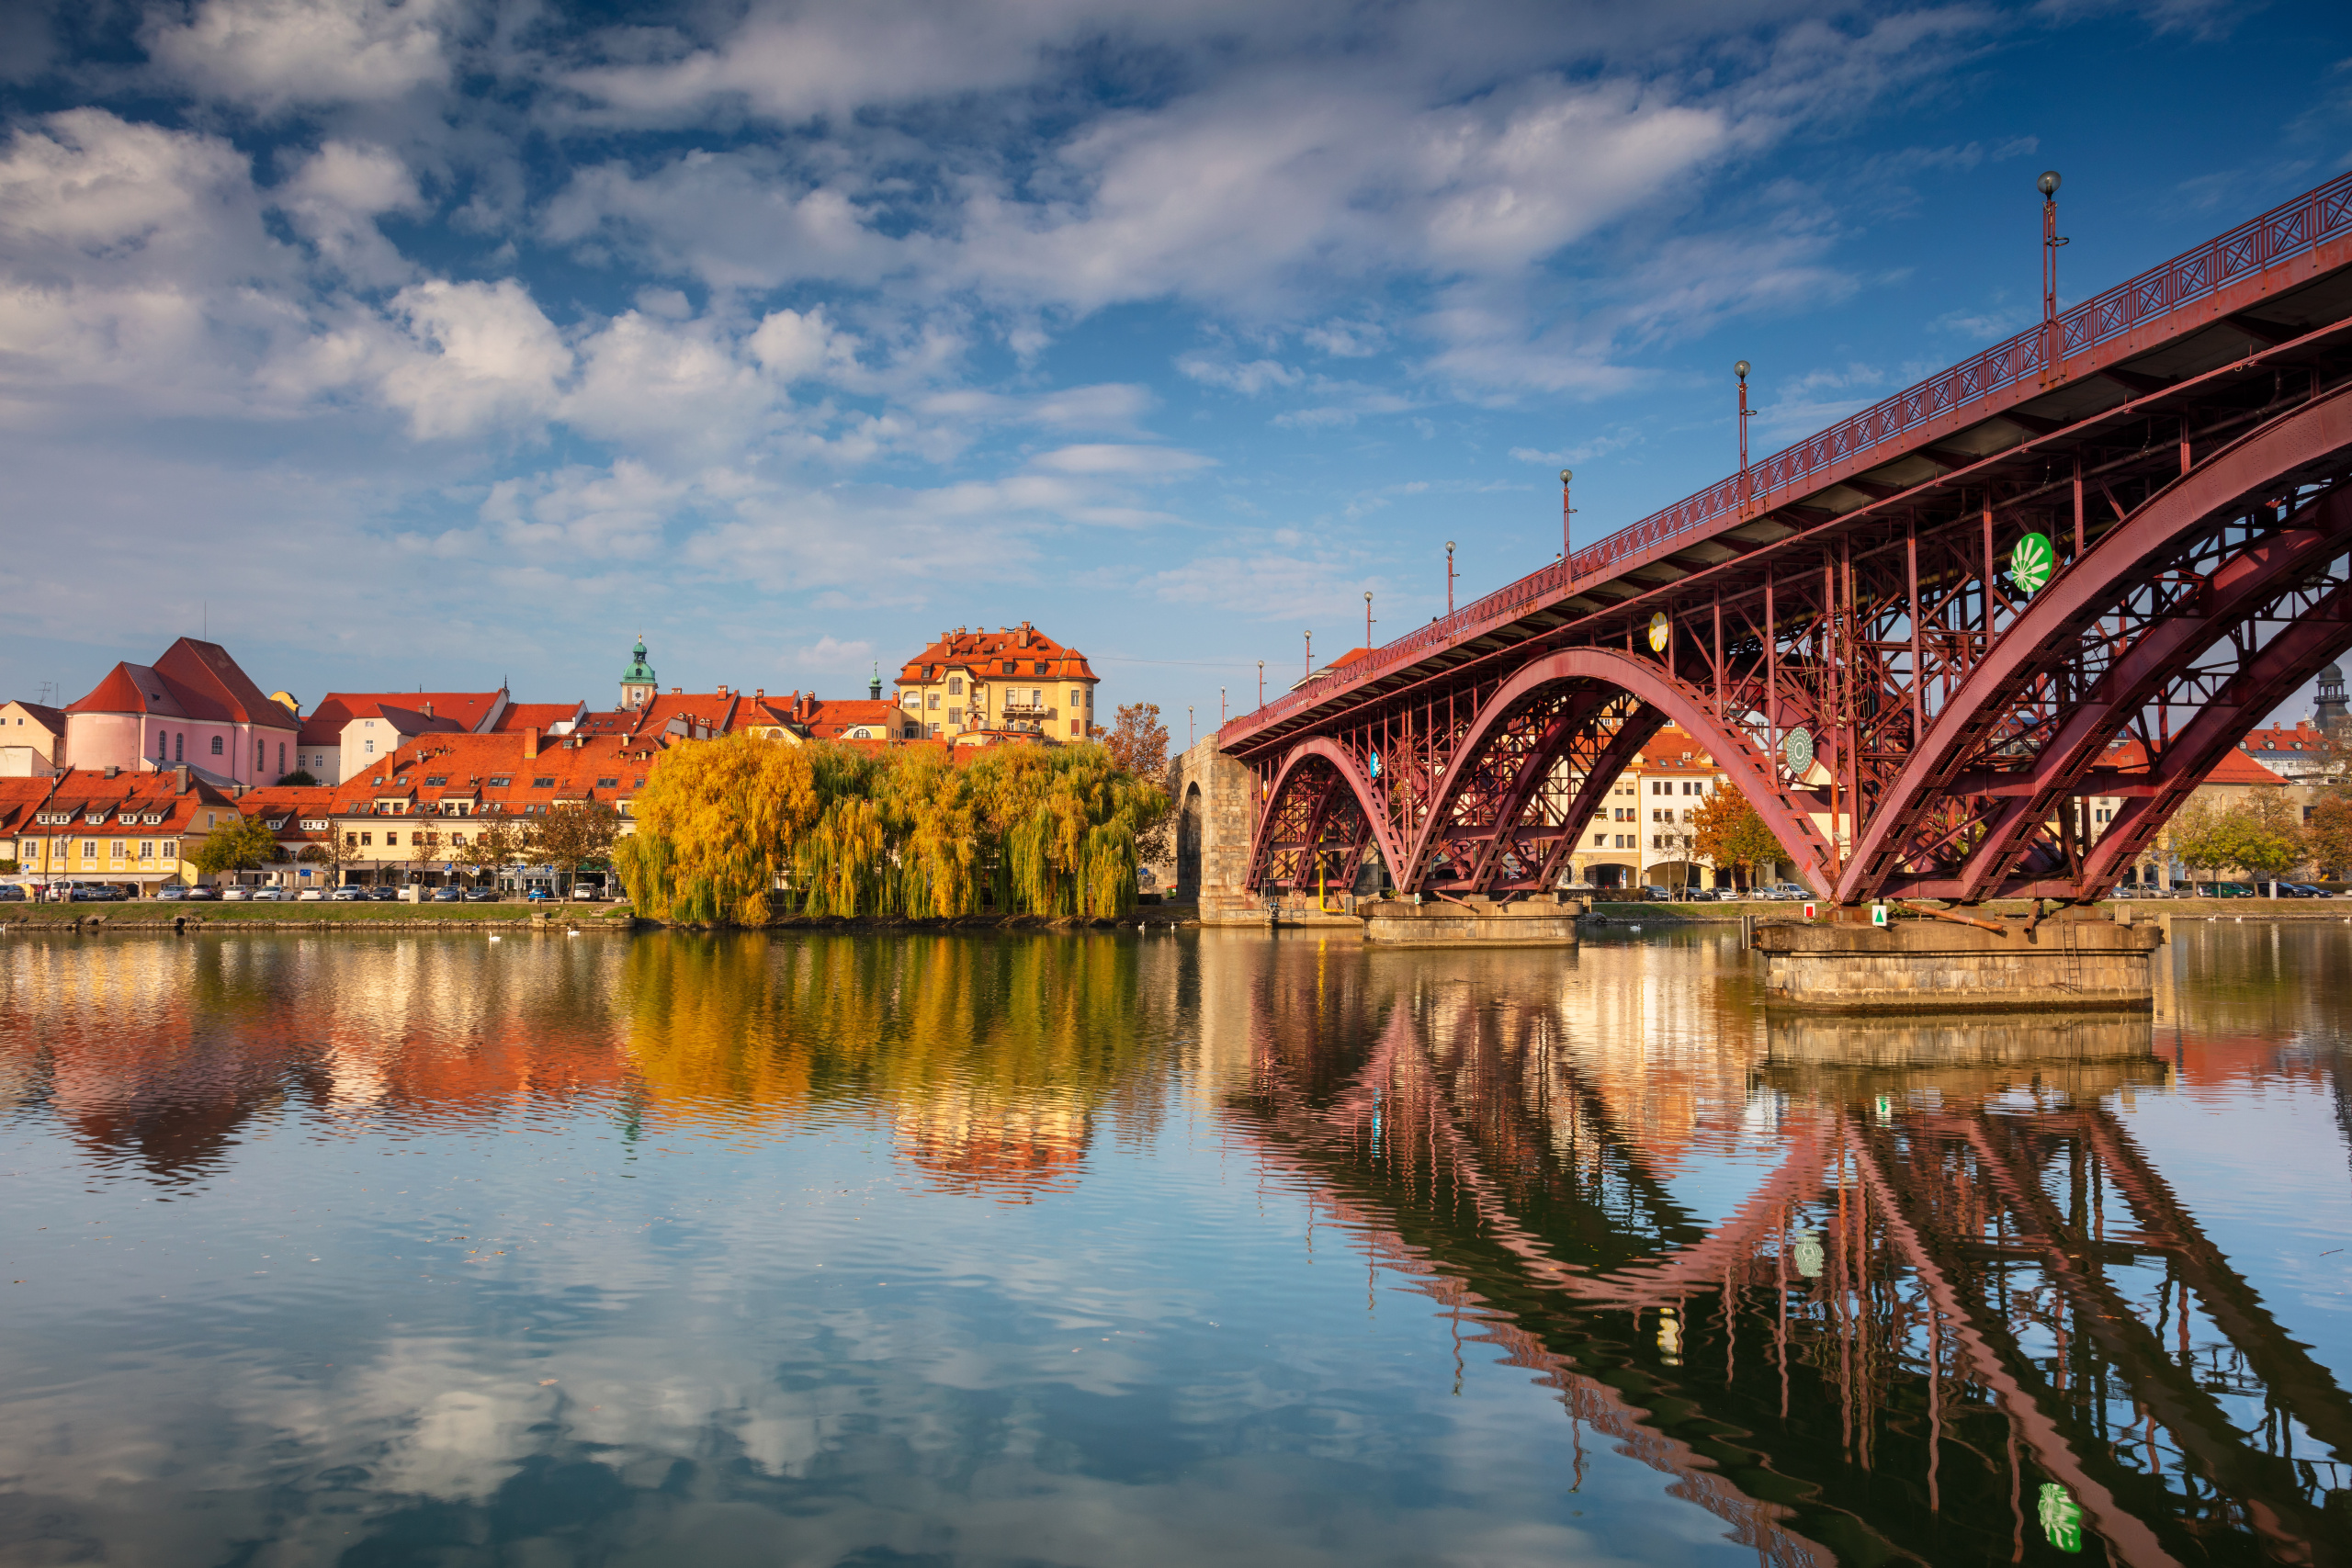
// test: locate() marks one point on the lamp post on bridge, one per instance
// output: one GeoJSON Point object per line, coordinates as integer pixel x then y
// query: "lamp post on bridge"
{"type": "Point", "coordinates": [1310, 651]}
{"type": "Point", "coordinates": [2052, 349]}
{"type": "Point", "coordinates": [1567, 511]}
{"type": "Point", "coordinates": [1367, 620]}
{"type": "Point", "coordinates": [1449, 577]}
{"type": "Point", "coordinates": [1741, 370]}
{"type": "Point", "coordinates": [1262, 682]}
{"type": "Point", "coordinates": [1191, 733]}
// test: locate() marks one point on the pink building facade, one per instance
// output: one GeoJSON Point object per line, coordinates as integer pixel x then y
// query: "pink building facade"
{"type": "Point", "coordinates": [193, 708]}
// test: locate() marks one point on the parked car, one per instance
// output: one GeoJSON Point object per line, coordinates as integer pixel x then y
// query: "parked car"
{"type": "Point", "coordinates": [171, 890]}
{"type": "Point", "coordinates": [587, 893]}
{"type": "Point", "coordinates": [448, 895]}
{"type": "Point", "coordinates": [201, 892]}
{"type": "Point", "coordinates": [311, 896]}
{"type": "Point", "coordinates": [2302, 890]}
{"type": "Point", "coordinates": [383, 895]}
{"type": "Point", "coordinates": [348, 894]}
{"type": "Point", "coordinates": [482, 895]}
{"type": "Point", "coordinates": [232, 895]}
{"type": "Point", "coordinates": [270, 895]}
{"type": "Point", "coordinates": [88, 892]}
{"type": "Point", "coordinates": [539, 896]}
{"type": "Point", "coordinates": [11, 894]}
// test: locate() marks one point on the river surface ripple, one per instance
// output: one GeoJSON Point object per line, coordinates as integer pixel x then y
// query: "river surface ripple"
{"type": "Point", "coordinates": [1124, 1248]}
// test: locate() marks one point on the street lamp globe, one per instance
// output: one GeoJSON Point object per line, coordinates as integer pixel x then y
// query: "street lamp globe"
{"type": "Point", "coordinates": [2048, 184]}
{"type": "Point", "coordinates": [1741, 369]}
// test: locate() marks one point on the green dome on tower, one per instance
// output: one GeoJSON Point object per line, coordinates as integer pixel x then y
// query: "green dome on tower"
{"type": "Point", "coordinates": [639, 673]}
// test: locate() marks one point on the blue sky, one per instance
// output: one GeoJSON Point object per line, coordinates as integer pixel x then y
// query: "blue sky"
{"type": "Point", "coordinates": [433, 342]}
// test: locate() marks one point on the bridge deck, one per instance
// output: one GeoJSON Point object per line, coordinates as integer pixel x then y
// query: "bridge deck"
{"type": "Point", "coordinates": [2143, 349]}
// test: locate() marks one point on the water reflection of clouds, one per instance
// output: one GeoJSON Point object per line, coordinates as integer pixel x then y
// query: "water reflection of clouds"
{"type": "Point", "coordinates": [688, 1263]}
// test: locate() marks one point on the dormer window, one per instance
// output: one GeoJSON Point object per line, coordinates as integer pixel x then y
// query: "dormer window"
{"type": "Point", "coordinates": [543, 784]}
{"type": "Point", "coordinates": [501, 782]}
{"type": "Point", "coordinates": [96, 818]}
{"type": "Point", "coordinates": [609, 783]}
{"type": "Point", "coordinates": [436, 778]}
{"type": "Point", "coordinates": [1038, 668]}
{"type": "Point", "coordinates": [276, 823]}
{"type": "Point", "coordinates": [152, 819]}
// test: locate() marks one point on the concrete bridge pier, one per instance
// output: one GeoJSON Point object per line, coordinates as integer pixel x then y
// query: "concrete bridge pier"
{"type": "Point", "coordinates": [2074, 959]}
{"type": "Point", "coordinates": [1542, 919]}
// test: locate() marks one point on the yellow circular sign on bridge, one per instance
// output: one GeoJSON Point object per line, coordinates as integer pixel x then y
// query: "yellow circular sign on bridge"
{"type": "Point", "coordinates": [1661, 631]}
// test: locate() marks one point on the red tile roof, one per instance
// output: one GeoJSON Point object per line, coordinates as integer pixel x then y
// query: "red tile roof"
{"type": "Point", "coordinates": [541, 716]}
{"type": "Point", "coordinates": [2303, 736]}
{"type": "Point", "coordinates": [193, 680]}
{"type": "Point", "coordinates": [983, 653]}
{"type": "Point", "coordinates": [471, 768]}
{"type": "Point", "coordinates": [448, 710]}
{"type": "Point", "coordinates": [79, 790]}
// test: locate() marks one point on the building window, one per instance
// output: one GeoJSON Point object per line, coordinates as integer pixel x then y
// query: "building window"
{"type": "Point", "coordinates": [1078, 727]}
{"type": "Point", "coordinates": [171, 849]}
{"type": "Point", "coordinates": [179, 747]}
{"type": "Point", "coordinates": [370, 747]}
{"type": "Point", "coordinates": [935, 732]}
{"type": "Point", "coordinates": [368, 840]}
{"type": "Point", "coordinates": [392, 841]}
{"type": "Point", "coordinates": [954, 685]}
{"type": "Point", "coordinates": [935, 703]}
{"type": "Point", "coordinates": [146, 848]}
{"type": "Point", "coordinates": [89, 849]}
{"type": "Point", "coordinates": [955, 716]}
{"type": "Point", "coordinates": [1601, 840]}
{"type": "Point", "coordinates": [118, 849]}
{"type": "Point", "coordinates": [216, 745]}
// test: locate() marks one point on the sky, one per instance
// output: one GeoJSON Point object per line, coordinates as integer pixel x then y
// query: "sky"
{"type": "Point", "coordinates": [438, 342]}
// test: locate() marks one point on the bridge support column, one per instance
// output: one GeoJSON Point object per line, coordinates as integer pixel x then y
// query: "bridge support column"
{"type": "Point", "coordinates": [1541, 921]}
{"type": "Point", "coordinates": [2073, 961]}
{"type": "Point", "coordinates": [1217, 815]}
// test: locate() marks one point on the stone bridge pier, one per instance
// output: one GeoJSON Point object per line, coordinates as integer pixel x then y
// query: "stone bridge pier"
{"type": "Point", "coordinates": [1216, 818]}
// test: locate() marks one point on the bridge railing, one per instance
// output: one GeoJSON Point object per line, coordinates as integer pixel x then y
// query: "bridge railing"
{"type": "Point", "coordinates": [2280, 235]}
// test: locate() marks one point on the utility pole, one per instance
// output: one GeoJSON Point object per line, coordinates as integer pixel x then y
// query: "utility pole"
{"type": "Point", "coordinates": [1741, 370]}
{"type": "Point", "coordinates": [2053, 347]}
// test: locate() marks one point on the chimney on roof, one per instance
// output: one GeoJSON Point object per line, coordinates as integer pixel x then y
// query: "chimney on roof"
{"type": "Point", "coordinates": [180, 773]}
{"type": "Point", "coordinates": [428, 709]}
{"type": "Point", "coordinates": [759, 693]}
{"type": "Point", "coordinates": [723, 690]}
{"type": "Point", "coordinates": [112, 771]}
{"type": "Point", "coordinates": [530, 744]}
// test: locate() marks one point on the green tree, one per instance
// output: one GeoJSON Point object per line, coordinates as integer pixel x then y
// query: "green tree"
{"type": "Point", "coordinates": [2263, 838]}
{"type": "Point", "coordinates": [574, 832]}
{"type": "Point", "coordinates": [334, 851]}
{"type": "Point", "coordinates": [1139, 743]}
{"type": "Point", "coordinates": [2197, 839]}
{"type": "Point", "coordinates": [491, 844]}
{"type": "Point", "coordinates": [1727, 831]}
{"type": "Point", "coordinates": [2328, 835]}
{"type": "Point", "coordinates": [246, 844]}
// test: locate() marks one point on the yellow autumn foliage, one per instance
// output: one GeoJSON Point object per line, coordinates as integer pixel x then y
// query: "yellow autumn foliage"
{"type": "Point", "coordinates": [736, 830]}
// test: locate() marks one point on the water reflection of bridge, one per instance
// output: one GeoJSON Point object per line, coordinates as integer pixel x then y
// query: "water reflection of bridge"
{"type": "Point", "coordinates": [1962, 1310]}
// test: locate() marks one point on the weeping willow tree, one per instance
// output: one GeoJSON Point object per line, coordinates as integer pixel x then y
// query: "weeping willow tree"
{"type": "Point", "coordinates": [1064, 823]}
{"type": "Point", "coordinates": [716, 827]}
{"type": "Point", "coordinates": [1041, 830]}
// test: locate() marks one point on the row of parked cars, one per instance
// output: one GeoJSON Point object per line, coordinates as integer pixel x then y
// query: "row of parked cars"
{"type": "Point", "coordinates": [2227, 890]}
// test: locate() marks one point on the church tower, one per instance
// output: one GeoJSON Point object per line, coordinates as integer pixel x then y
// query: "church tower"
{"type": "Point", "coordinates": [637, 685]}
{"type": "Point", "coordinates": [2331, 708]}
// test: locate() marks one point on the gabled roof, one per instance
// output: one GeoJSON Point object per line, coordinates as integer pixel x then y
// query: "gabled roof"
{"type": "Point", "coordinates": [53, 719]}
{"type": "Point", "coordinates": [206, 669]}
{"type": "Point", "coordinates": [983, 653]}
{"type": "Point", "coordinates": [193, 681]}
{"type": "Point", "coordinates": [80, 791]}
{"type": "Point", "coordinates": [446, 710]}
{"type": "Point", "coordinates": [541, 716]}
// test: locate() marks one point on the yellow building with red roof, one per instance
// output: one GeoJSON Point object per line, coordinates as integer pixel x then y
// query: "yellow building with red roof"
{"type": "Point", "coordinates": [1013, 679]}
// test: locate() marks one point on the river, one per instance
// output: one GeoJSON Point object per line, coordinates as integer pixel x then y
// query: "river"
{"type": "Point", "coordinates": [1125, 1248]}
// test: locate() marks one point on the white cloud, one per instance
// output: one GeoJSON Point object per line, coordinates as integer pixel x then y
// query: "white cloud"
{"type": "Point", "coordinates": [480, 355]}
{"type": "Point", "coordinates": [270, 53]}
{"type": "Point", "coordinates": [1134, 462]}
{"type": "Point", "coordinates": [830, 654]}
{"type": "Point", "coordinates": [794, 347]}
{"type": "Point", "coordinates": [333, 199]}
{"type": "Point", "coordinates": [1249, 380]}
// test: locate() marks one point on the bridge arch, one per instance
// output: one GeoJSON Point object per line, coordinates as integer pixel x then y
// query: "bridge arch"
{"type": "Point", "coordinates": [2293, 449]}
{"type": "Point", "coordinates": [1589, 680]}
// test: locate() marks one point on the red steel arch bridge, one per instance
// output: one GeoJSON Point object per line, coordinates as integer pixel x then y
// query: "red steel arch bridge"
{"type": "Point", "coordinates": [2081, 563]}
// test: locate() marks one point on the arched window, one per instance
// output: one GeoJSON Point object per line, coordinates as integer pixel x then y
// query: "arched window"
{"type": "Point", "coordinates": [216, 745]}
{"type": "Point", "coordinates": [179, 747]}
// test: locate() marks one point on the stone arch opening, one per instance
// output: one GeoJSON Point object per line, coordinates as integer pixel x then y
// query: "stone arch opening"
{"type": "Point", "coordinates": [1187, 838]}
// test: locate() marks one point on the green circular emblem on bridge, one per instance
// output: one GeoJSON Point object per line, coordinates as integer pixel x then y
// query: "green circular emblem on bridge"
{"type": "Point", "coordinates": [1797, 747]}
{"type": "Point", "coordinates": [2032, 562]}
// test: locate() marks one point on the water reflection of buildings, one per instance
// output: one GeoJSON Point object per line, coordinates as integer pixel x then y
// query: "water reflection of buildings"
{"type": "Point", "coordinates": [1958, 1315]}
